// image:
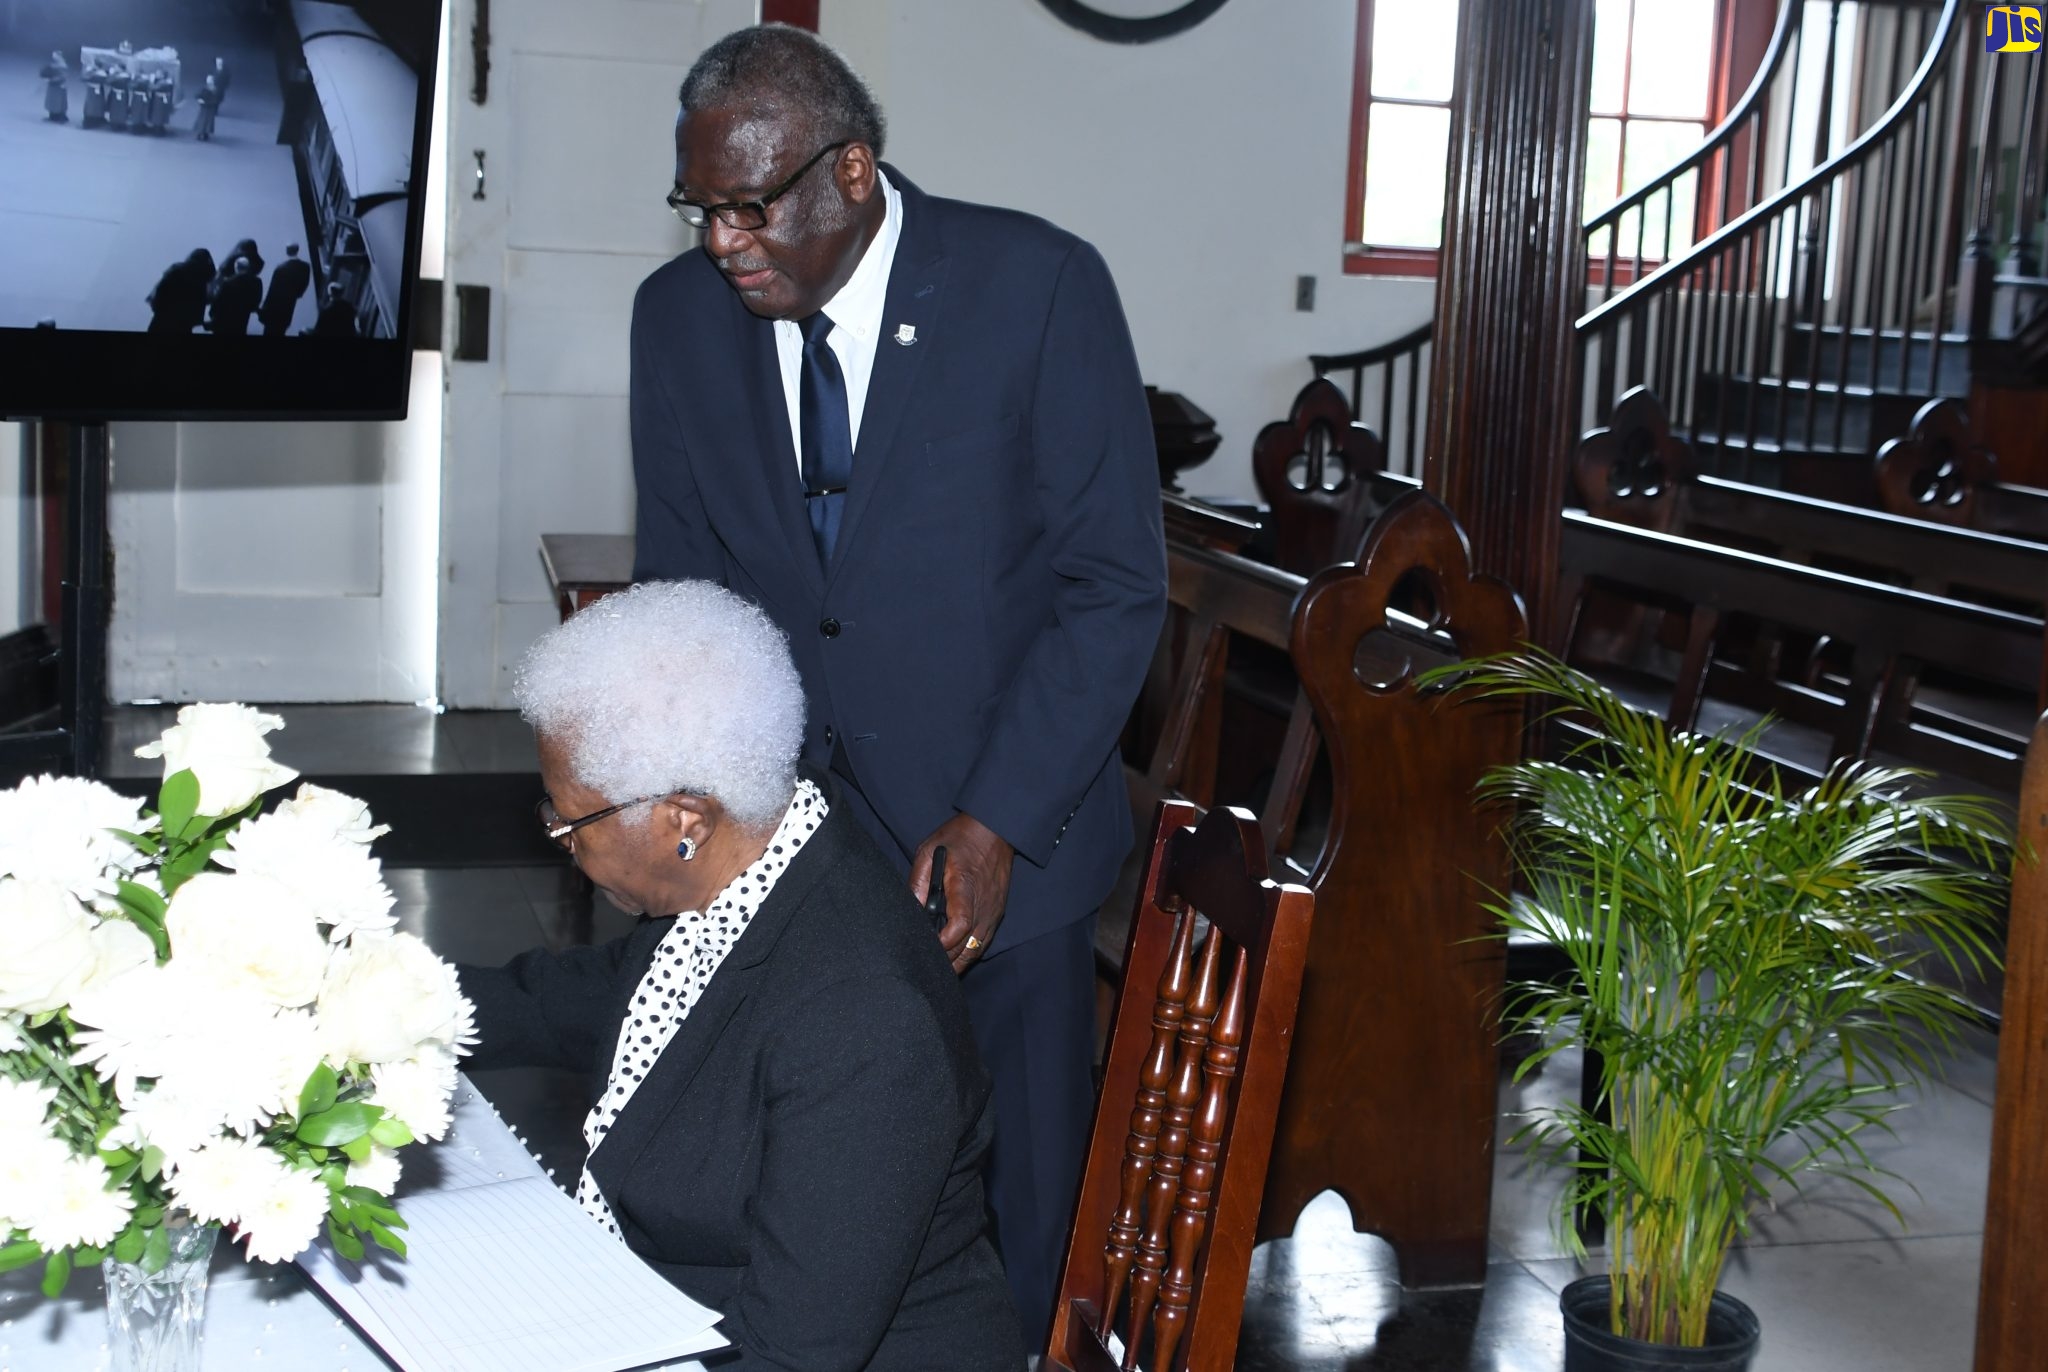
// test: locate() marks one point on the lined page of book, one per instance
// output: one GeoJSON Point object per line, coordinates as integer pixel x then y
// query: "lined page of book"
{"type": "Point", "coordinates": [505, 1273]}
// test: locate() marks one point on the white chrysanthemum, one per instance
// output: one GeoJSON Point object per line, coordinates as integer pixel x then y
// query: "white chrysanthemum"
{"type": "Point", "coordinates": [75, 1207]}
{"type": "Point", "coordinates": [218, 1183]}
{"type": "Point", "coordinates": [332, 878]}
{"type": "Point", "coordinates": [10, 1034]}
{"type": "Point", "coordinates": [223, 746]}
{"type": "Point", "coordinates": [286, 1216]}
{"type": "Point", "coordinates": [59, 830]}
{"type": "Point", "coordinates": [248, 930]}
{"type": "Point", "coordinates": [417, 1092]}
{"type": "Point", "coordinates": [47, 952]}
{"type": "Point", "coordinates": [24, 1105]}
{"type": "Point", "coordinates": [387, 999]}
{"type": "Point", "coordinates": [30, 1161]}
{"type": "Point", "coordinates": [342, 815]}
{"type": "Point", "coordinates": [190, 1056]}
{"type": "Point", "coordinates": [379, 1171]}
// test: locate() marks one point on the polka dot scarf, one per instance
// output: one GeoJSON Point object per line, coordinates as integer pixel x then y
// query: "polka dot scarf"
{"type": "Point", "coordinates": [684, 962]}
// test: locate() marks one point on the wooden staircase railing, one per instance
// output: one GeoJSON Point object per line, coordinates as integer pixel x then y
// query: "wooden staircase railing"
{"type": "Point", "coordinates": [1383, 375]}
{"type": "Point", "coordinates": [1776, 339]}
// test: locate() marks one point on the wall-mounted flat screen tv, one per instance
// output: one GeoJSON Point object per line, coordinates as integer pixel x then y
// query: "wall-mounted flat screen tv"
{"type": "Point", "coordinates": [211, 208]}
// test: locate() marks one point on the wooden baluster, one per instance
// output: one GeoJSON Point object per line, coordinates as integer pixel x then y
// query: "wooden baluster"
{"type": "Point", "coordinates": [2020, 249]}
{"type": "Point", "coordinates": [1171, 1154]}
{"type": "Point", "coordinates": [1198, 1183]}
{"type": "Point", "coordinates": [1141, 1143]}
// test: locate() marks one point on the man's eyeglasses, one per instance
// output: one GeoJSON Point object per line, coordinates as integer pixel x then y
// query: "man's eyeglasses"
{"type": "Point", "coordinates": [559, 829]}
{"type": "Point", "coordinates": [747, 215]}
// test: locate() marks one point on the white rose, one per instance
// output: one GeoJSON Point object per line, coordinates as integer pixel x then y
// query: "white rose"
{"type": "Point", "coordinates": [118, 947]}
{"type": "Point", "coordinates": [385, 999]}
{"type": "Point", "coordinates": [47, 950]}
{"type": "Point", "coordinates": [60, 830]}
{"type": "Point", "coordinates": [343, 815]}
{"type": "Point", "coordinates": [333, 879]}
{"type": "Point", "coordinates": [223, 746]}
{"type": "Point", "coordinates": [285, 1216]}
{"type": "Point", "coordinates": [251, 931]}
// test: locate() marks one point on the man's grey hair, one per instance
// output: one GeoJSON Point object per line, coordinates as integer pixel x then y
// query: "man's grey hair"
{"type": "Point", "coordinates": [672, 686]}
{"type": "Point", "coordinates": [774, 65]}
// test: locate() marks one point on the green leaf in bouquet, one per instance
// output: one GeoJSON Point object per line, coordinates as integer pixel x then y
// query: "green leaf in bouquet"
{"type": "Point", "coordinates": [140, 900]}
{"type": "Point", "coordinates": [387, 1240]}
{"type": "Point", "coordinates": [145, 1216]}
{"type": "Point", "coordinates": [118, 1177]}
{"type": "Point", "coordinates": [345, 1243]}
{"type": "Point", "coordinates": [152, 1168]}
{"type": "Point", "coordinates": [89, 1256]}
{"type": "Point", "coordinates": [128, 1247]}
{"type": "Point", "coordinates": [391, 1132]}
{"type": "Point", "coordinates": [358, 1148]}
{"type": "Point", "coordinates": [177, 800]}
{"type": "Point", "coordinates": [156, 1249]}
{"type": "Point", "coordinates": [317, 1096]}
{"type": "Point", "coordinates": [141, 843]}
{"type": "Point", "coordinates": [38, 1020]}
{"type": "Point", "coordinates": [114, 1157]}
{"type": "Point", "coordinates": [334, 1174]}
{"type": "Point", "coordinates": [336, 1127]}
{"type": "Point", "coordinates": [56, 1272]}
{"type": "Point", "coordinates": [20, 1253]}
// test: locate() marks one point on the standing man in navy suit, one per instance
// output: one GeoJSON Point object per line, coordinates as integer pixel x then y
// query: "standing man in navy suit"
{"type": "Point", "coordinates": [912, 429]}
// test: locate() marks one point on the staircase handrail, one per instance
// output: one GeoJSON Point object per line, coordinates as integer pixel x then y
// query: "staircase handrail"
{"type": "Point", "coordinates": [1325, 363]}
{"type": "Point", "coordinates": [1790, 15]}
{"type": "Point", "coordinates": [1864, 145]}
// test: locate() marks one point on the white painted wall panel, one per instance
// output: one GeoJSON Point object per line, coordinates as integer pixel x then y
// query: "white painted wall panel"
{"type": "Point", "coordinates": [593, 149]}
{"type": "Point", "coordinates": [566, 323]}
{"type": "Point", "coordinates": [561, 476]}
{"type": "Point", "coordinates": [290, 509]}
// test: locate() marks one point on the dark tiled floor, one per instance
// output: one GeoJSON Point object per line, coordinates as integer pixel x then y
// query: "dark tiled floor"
{"type": "Point", "coordinates": [1838, 1285]}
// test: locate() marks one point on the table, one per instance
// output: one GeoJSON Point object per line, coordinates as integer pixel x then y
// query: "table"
{"type": "Point", "coordinates": [583, 567]}
{"type": "Point", "coordinates": [259, 1317]}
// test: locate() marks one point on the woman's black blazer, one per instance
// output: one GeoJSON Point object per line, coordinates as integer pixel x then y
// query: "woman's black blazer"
{"type": "Point", "coordinates": [805, 1156]}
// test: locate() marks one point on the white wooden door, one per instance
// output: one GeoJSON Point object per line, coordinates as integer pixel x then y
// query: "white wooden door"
{"type": "Point", "coordinates": [577, 138]}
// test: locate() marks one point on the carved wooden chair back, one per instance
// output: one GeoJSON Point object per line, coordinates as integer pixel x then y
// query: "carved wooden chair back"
{"type": "Point", "coordinates": [1311, 469]}
{"type": "Point", "coordinates": [1632, 471]}
{"type": "Point", "coordinates": [1162, 1240]}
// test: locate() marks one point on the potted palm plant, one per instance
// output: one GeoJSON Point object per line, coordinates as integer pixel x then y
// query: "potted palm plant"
{"type": "Point", "coordinates": [1744, 963]}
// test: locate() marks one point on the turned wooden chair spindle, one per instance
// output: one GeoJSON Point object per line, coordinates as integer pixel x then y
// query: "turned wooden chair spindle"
{"type": "Point", "coordinates": [1169, 1202]}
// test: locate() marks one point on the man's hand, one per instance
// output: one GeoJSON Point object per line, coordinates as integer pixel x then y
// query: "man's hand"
{"type": "Point", "coordinates": [977, 885]}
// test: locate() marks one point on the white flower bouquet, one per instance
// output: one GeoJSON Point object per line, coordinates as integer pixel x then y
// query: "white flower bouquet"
{"type": "Point", "coordinates": [206, 1016]}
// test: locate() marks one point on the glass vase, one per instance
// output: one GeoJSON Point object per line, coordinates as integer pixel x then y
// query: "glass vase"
{"type": "Point", "coordinates": [153, 1319]}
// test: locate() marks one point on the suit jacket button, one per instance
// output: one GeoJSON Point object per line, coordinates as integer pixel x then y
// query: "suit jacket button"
{"type": "Point", "coordinates": [829, 628]}
{"type": "Point", "coordinates": [828, 736]}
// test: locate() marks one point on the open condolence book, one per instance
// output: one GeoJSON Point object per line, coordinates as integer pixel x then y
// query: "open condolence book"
{"type": "Point", "coordinates": [505, 1273]}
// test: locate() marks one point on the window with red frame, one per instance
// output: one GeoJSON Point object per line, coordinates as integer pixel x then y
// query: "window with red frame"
{"type": "Point", "coordinates": [1657, 84]}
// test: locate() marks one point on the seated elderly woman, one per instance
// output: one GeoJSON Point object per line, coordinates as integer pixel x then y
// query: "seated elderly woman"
{"type": "Point", "coordinates": [794, 1118]}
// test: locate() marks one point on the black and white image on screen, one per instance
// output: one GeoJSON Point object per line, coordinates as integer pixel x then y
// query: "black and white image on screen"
{"type": "Point", "coordinates": [207, 167]}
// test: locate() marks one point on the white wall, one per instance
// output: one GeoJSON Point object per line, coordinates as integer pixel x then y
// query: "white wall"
{"type": "Point", "coordinates": [1209, 168]}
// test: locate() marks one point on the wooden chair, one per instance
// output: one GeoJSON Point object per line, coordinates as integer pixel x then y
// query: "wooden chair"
{"type": "Point", "coordinates": [1939, 472]}
{"type": "Point", "coordinates": [2012, 1296]}
{"type": "Point", "coordinates": [1311, 468]}
{"type": "Point", "coordinates": [1169, 1201]}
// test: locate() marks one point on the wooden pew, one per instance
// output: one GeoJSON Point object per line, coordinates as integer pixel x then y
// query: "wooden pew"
{"type": "Point", "coordinates": [2012, 1299]}
{"type": "Point", "coordinates": [1937, 472]}
{"type": "Point", "coordinates": [1391, 1096]}
{"type": "Point", "coordinates": [1311, 468]}
{"type": "Point", "coordinates": [1635, 472]}
{"type": "Point", "coordinates": [1887, 632]}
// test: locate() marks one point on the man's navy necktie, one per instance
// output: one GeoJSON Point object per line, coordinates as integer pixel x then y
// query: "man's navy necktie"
{"type": "Point", "coordinates": [828, 435]}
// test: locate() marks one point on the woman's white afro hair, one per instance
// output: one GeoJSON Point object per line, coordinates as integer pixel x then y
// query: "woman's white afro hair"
{"type": "Point", "coordinates": [671, 686]}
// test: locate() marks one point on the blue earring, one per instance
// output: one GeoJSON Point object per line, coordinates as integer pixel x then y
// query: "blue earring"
{"type": "Point", "coordinates": [687, 849]}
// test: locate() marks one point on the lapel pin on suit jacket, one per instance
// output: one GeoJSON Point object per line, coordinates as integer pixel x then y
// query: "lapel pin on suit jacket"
{"type": "Point", "coordinates": [906, 334]}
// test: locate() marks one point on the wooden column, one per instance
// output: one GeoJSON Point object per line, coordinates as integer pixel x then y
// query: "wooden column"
{"type": "Point", "coordinates": [2012, 1296]}
{"type": "Point", "coordinates": [1503, 401]}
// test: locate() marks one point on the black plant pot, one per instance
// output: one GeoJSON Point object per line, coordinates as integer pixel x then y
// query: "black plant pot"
{"type": "Point", "coordinates": [1590, 1346]}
